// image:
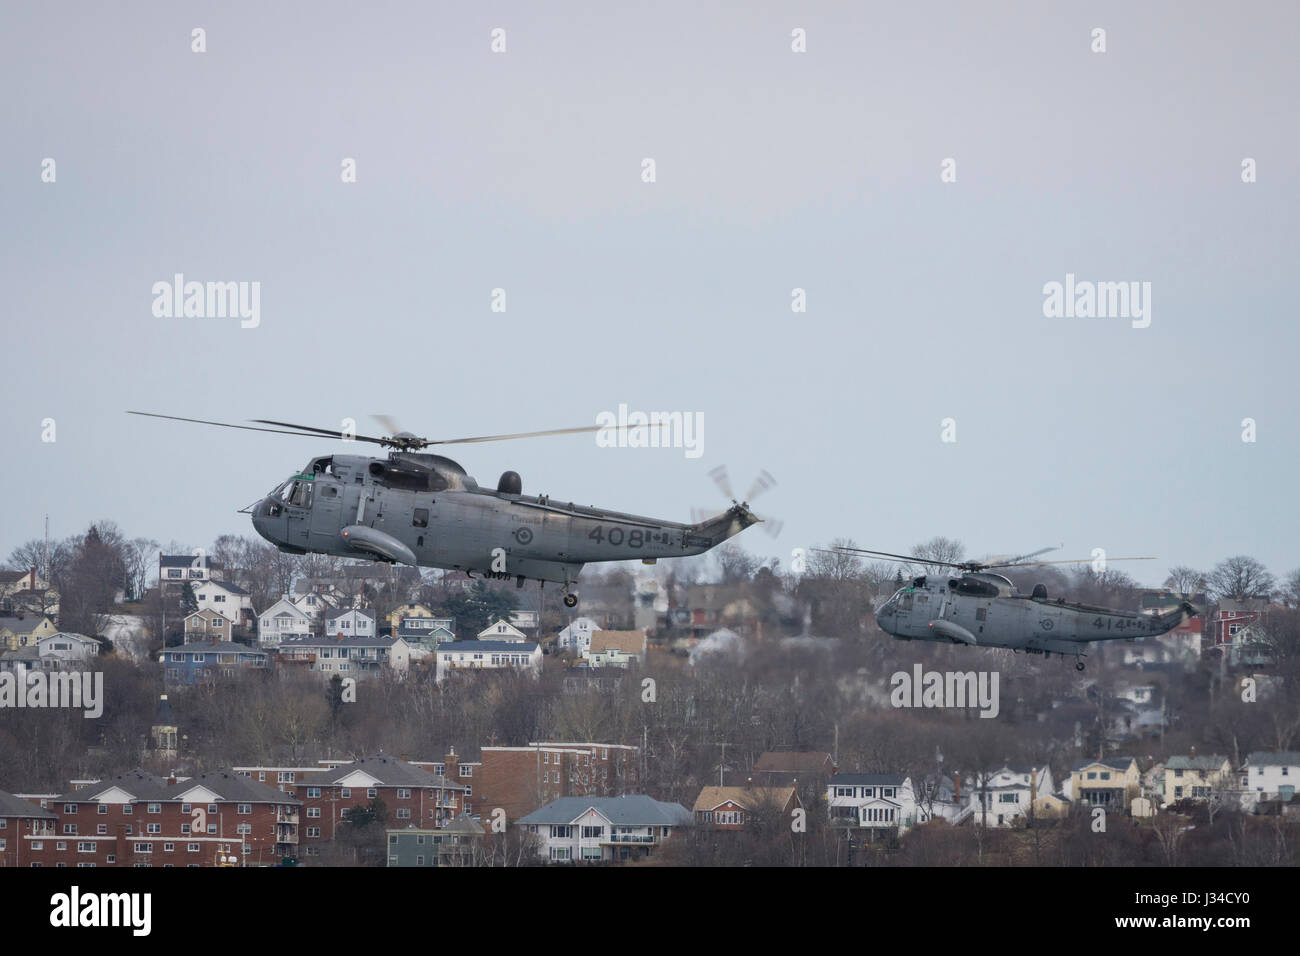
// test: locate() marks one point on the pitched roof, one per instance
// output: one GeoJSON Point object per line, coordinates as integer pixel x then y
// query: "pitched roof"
{"type": "Point", "coordinates": [1207, 762]}
{"type": "Point", "coordinates": [389, 771]}
{"type": "Point", "coordinates": [11, 806]}
{"type": "Point", "coordinates": [340, 612]}
{"type": "Point", "coordinates": [629, 810]}
{"type": "Point", "coordinates": [1273, 758]}
{"type": "Point", "coordinates": [1114, 763]}
{"type": "Point", "coordinates": [792, 761]}
{"type": "Point", "coordinates": [227, 587]}
{"type": "Point", "coordinates": [746, 797]}
{"type": "Point", "coordinates": [22, 625]}
{"type": "Point", "coordinates": [627, 642]}
{"type": "Point", "coordinates": [9, 577]}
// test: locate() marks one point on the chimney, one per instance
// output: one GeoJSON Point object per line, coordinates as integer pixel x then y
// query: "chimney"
{"type": "Point", "coordinates": [171, 778]}
{"type": "Point", "coordinates": [404, 758]}
{"type": "Point", "coordinates": [956, 788]}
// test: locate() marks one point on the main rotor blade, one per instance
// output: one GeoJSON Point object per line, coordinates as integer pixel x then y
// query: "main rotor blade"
{"type": "Point", "coordinates": [1039, 564]}
{"type": "Point", "coordinates": [550, 431]}
{"type": "Point", "coordinates": [910, 558]}
{"type": "Point", "coordinates": [249, 428]}
{"type": "Point", "coordinates": [332, 433]}
{"type": "Point", "coordinates": [1003, 560]}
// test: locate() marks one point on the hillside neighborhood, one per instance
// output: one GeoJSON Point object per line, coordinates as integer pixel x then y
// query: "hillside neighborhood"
{"type": "Point", "coordinates": [339, 714]}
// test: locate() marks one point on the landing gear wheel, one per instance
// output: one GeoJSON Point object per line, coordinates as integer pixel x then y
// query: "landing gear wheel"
{"type": "Point", "coordinates": [570, 600]}
{"type": "Point", "coordinates": [1078, 665]}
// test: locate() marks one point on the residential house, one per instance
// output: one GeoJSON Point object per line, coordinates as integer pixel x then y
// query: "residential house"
{"type": "Point", "coordinates": [208, 624]}
{"type": "Point", "coordinates": [883, 802]}
{"type": "Point", "coordinates": [576, 637]}
{"type": "Point", "coordinates": [24, 629]}
{"type": "Point", "coordinates": [192, 663]}
{"type": "Point", "coordinates": [315, 604]}
{"type": "Point", "coordinates": [1196, 778]}
{"type": "Point", "coordinates": [502, 631]}
{"type": "Point", "coordinates": [1234, 615]}
{"type": "Point", "coordinates": [353, 656]}
{"type": "Point", "coordinates": [350, 622]}
{"type": "Point", "coordinates": [281, 621]}
{"type": "Point", "coordinates": [630, 827]}
{"type": "Point", "coordinates": [230, 600]}
{"type": "Point", "coordinates": [1112, 783]}
{"type": "Point", "coordinates": [139, 819]}
{"type": "Point", "coordinates": [11, 582]}
{"type": "Point", "coordinates": [424, 634]}
{"type": "Point", "coordinates": [487, 655]}
{"type": "Point", "coordinates": [1271, 775]}
{"type": "Point", "coordinates": [732, 808]}
{"type": "Point", "coordinates": [610, 648]}
{"type": "Point", "coordinates": [408, 611]}
{"type": "Point", "coordinates": [58, 651]}
{"type": "Point", "coordinates": [1007, 796]}
{"type": "Point", "coordinates": [452, 845]}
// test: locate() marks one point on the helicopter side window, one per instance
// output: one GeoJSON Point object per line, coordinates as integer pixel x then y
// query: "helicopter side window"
{"type": "Point", "coordinates": [420, 518]}
{"type": "Point", "coordinates": [300, 497]}
{"type": "Point", "coordinates": [329, 491]}
{"type": "Point", "coordinates": [906, 603]}
{"type": "Point", "coordinates": [981, 613]}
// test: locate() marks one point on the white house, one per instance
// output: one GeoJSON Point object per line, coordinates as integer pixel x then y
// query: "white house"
{"type": "Point", "coordinates": [355, 656]}
{"type": "Point", "coordinates": [353, 622]}
{"type": "Point", "coordinates": [65, 647]}
{"type": "Point", "coordinates": [616, 648]}
{"type": "Point", "coordinates": [502, 631]}
{"type": "Point", "coordinates": [281, 620]}
{"type": "Point", "coordinates": [315, 603]}
{"type": "Point", "coordinates": [1000, 797]}
{"type": "Point", "coordinates": [874, 801]}
{"type": "Point", "coordinates": [57, 651]}
{"type": "Point", "coordinates": [630, 827]}
{"type": "Point", "coordinates": [229, 600]}
{"type": "Point", "coordinates": [487, 655]}
{"type": "Point", "coordinates": [577, 636]}
{"type": "Point", "coordinates": [1270, 775]}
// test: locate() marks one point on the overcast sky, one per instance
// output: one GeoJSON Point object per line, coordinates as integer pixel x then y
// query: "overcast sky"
{"type": "Point", "coordinates": [775, 170]}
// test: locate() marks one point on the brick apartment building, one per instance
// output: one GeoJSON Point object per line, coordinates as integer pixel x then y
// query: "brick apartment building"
{"type": "Point", "coordinates": [139, 819]}
{"type": "Point", "coordinates": [19, 820]}
{"type": "Point", "coordinates": [412, 796]}
{"type": "Point", "coordinates": [519, 780]}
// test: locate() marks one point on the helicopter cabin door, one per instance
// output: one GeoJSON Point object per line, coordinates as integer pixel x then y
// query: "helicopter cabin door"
{"type": "Point", "coordinates": [327, 513]}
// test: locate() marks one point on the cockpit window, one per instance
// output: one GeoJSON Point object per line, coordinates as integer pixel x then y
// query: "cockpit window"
{"type": "Point", "coordinates": [299, 494]}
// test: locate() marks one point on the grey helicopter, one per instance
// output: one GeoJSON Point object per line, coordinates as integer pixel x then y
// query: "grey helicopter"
{"type": "Point", "coordinates": [424, 510]}
{"type": "Point", "coordinates": [980, 608]}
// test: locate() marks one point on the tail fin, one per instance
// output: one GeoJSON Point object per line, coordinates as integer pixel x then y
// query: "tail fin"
{"type": "Point", "coordinates": [713, 531]}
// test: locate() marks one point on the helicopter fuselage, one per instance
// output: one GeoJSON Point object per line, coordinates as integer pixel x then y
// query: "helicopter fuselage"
{"type": "Point", "coordinates": [424, 510]}
{"type": "Point", "coordinates": [985, 610]}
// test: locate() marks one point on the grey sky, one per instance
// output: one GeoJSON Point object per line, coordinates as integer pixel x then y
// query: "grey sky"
{"type": "Point", "coordinates": [775, 170]}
